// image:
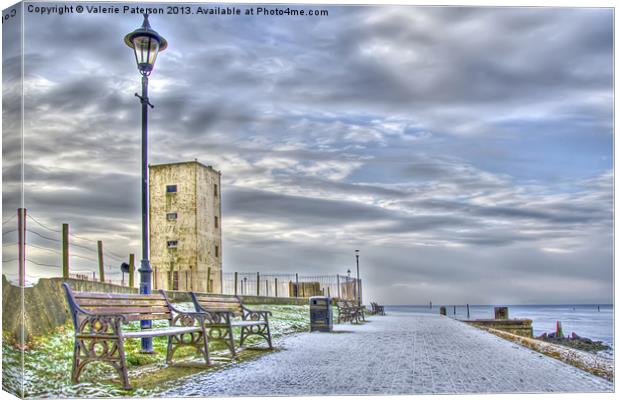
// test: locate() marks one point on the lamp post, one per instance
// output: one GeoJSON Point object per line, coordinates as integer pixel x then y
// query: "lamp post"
{"type": "Point", "coordinates": [146, 43]}
{"type": "Point", "coordinates": [359, 293]}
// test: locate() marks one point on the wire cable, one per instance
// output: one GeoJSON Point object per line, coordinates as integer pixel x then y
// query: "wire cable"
{"type": "Point", "coordinates": [85, 258]}
{"type": "Point", "coordinates": [6, 221]}
{"type": "Point", "coordinates": [43, 236]}
{"type": "Point", "coordinates": [43, 248]}
{"type": "Point", "coordinates": [82, 238]}
{"type": "Point", "coordinates": [42, 264]}
{"type": "Point", "coordinates": [42, 225]}
{"type": "Point", "coordinates": [9, 260]}
{"type": "Point", "coordinates": [7, 232]}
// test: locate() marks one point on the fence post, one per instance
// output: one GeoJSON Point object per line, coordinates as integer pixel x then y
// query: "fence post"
{"type": "Point", "coordinates": [132, 267]}
{"type": "Point", "coordinates": [100, 254]}
{"type": "Point", "coordinates": [236, 276]}
{"type": "Point", "coordinates": [21, 245]}
{"type": "Point", "coordinates": [65, 251]}
{"type": "Point", "coordinates": [328, 294]}
{"type": "Point", "coordinates": [258, 284]}
{"type": "Point", "coordinates": [296, 284]}
{"type": "Point", "coordinates": [468, 311]}
{"type": "Point", "coordinates": [338, 284]}
{"type": "Point", "coordinates": [209, 280]}
{"type": "Point", "coordinates": [266, 287]}
{"type": "Point", "coordinates": [276, 287]}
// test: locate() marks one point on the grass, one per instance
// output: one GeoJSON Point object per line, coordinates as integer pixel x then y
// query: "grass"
{"type": "Point", "coordinates": [47, 361]}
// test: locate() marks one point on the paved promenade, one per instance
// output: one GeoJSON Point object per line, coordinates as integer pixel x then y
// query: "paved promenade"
{"type": "Point", "coordinates": [401, 353]}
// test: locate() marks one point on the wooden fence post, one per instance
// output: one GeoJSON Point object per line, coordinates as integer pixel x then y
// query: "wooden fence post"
{"type": "Point", "coordinates": [258, 284]}
{"type": "Point", "coordinates": [100, 254]}
{"type": "Point", "coordinates": [266, 287]}
{"type": "Point", "coordinates": [276, 287]}
{"type": "Point", "coordinates": [65, 251]}
{"type": "Point", "coordinates": [21, 246]}
{"type": "Point", "coordinates": [338, 285]}
{"type": "Point", "coordinates": [132, 267]}
{"type": "Point", "coordinates": [236, 281]}
{"type": "Point", "coordinates": [296, 284]}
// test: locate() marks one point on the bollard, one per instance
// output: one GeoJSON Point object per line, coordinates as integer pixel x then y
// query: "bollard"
{"type": "Point", "coordinates": [442, 310]}
{"type": "Point", "coordinates": [468, 311]}
{"type": "Point", "coordinates": [558, 330]}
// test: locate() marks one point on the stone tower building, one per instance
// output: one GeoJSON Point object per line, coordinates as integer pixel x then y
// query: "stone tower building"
{"type": "Point", "coordinates": [185, 227]}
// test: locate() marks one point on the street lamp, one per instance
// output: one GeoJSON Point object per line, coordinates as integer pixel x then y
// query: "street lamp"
{"type": "Point", "coordinates": [359, 294]}
{"type": "Point", "coordinates": [146, 43]}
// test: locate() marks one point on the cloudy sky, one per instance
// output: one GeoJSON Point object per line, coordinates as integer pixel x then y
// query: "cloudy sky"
{"type": "Point", "coordinates": [467, 152]}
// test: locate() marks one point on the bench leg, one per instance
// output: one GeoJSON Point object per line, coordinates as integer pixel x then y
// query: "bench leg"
{"type": "Point", "coordinates": [257, 330]}
{"type": "Point", "coordinates": [243, 336]}
{"type": "Point", "coordinates": [169, 351]}
{"type": "Point", "coordinates": [231, 341]}
{"type": "Point", "coordinates": [87, 350]}
{"type": "Point", "coordinates": [123, 366]}
{"type": "Point", "coordinates": [199, 340]}
{"type": "Point", "coordinates": [75, 376]}
{"type": "Point", "coordinates": [205, 346]}
{"type": "Point", "coordinates": [269, 337]}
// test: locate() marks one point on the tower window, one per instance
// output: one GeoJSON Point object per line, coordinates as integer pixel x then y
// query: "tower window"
{"type": "Point", "coordinates": [216, 221]}
{"type": "Point", "coordinates": [215, 190]}
{"type": "Point", "coordinates": [217, 251]}
{"type": "Point", "coordinates": [171, 216]}
{"type": "Point", "coordinates": [171, 188]}
{"type": "Point", "coordinates": [172, 244]}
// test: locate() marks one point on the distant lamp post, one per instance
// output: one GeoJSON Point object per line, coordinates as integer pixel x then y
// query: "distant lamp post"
{"type": "Point", "coordinates": [359, 286]}
{"type": "Point", "coordinates": [146, 43]}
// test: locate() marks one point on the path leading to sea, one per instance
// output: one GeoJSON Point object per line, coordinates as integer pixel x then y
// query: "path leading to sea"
{"type": "Point", "coordinates": [400, 353]}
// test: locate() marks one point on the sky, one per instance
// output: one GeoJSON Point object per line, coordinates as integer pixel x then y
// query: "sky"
{"type": "Point", "coordinates": [467, 152]}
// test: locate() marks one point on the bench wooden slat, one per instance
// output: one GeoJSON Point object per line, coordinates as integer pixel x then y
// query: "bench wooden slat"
{"type": "Point", "coordinates": [161, 332]}
{"type": "Point", "coordinates": [120, 303]}
{"type": "Point", "coordinates": [127, 310]}
{"type": "Point", "coordinates": [131, 296]}
{"type": "Point", "coordinates": [218, 299]}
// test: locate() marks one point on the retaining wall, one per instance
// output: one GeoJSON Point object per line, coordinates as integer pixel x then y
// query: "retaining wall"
{"type": "Point", "coordinates": [520, 327]}
{"type": "Point", "coordinates": [46, 307]}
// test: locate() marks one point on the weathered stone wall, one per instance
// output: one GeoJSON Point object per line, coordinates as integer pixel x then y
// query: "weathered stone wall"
{"type": "Point", "coordinates": [46, 306]}
{"type": "Point", "coordinates": [520, 327]}
{"type": "Point", "coordinates": [196, 204]}
{"type": "Point", "coordinates": [208, 236]}
{"type": "Point", "coordinates": [184, 296]}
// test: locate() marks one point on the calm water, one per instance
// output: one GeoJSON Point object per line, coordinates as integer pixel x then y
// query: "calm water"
{"type": "Point", "coordinates": [584, 320]}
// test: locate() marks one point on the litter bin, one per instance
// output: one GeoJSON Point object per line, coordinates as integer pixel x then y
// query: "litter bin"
{"type": "Point", "coordinates": [321, 317]}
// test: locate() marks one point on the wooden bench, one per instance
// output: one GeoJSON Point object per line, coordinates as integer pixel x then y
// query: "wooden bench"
{"type": "Point", "coordinates": [349, 312]}
{"type": "Point", "coordinates": [221, 313]}
{"type": "Point", "coordinates": [98, 319]}
{"type": "Point", "coordinates": [377, 309]}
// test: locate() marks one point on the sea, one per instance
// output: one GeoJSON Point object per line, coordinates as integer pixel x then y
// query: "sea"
{"type": "Point", "coordinates": [593, 321]}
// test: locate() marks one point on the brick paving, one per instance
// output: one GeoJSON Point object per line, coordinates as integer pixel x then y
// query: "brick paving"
{"type": "Point", "coordinates": [401, 353]}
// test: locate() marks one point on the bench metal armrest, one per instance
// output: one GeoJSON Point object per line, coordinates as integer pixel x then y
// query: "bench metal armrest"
{"type": "Point", "coordinates": [254, 315]}
{"type": "Point", "coordinates": [187, 318]}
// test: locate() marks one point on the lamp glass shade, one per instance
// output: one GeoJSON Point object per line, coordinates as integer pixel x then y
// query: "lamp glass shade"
{"type": "Point", "coordinates": [146, 48]}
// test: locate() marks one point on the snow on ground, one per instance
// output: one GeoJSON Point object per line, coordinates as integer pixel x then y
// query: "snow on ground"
{"type": "Point", "coordinates": [401, 353]}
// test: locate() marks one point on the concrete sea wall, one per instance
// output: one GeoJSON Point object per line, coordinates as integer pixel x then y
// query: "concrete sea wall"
{"type": "Point", "coordinates": [45, 306]}
{"type": "Point", "coordinates": [520, 327]}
